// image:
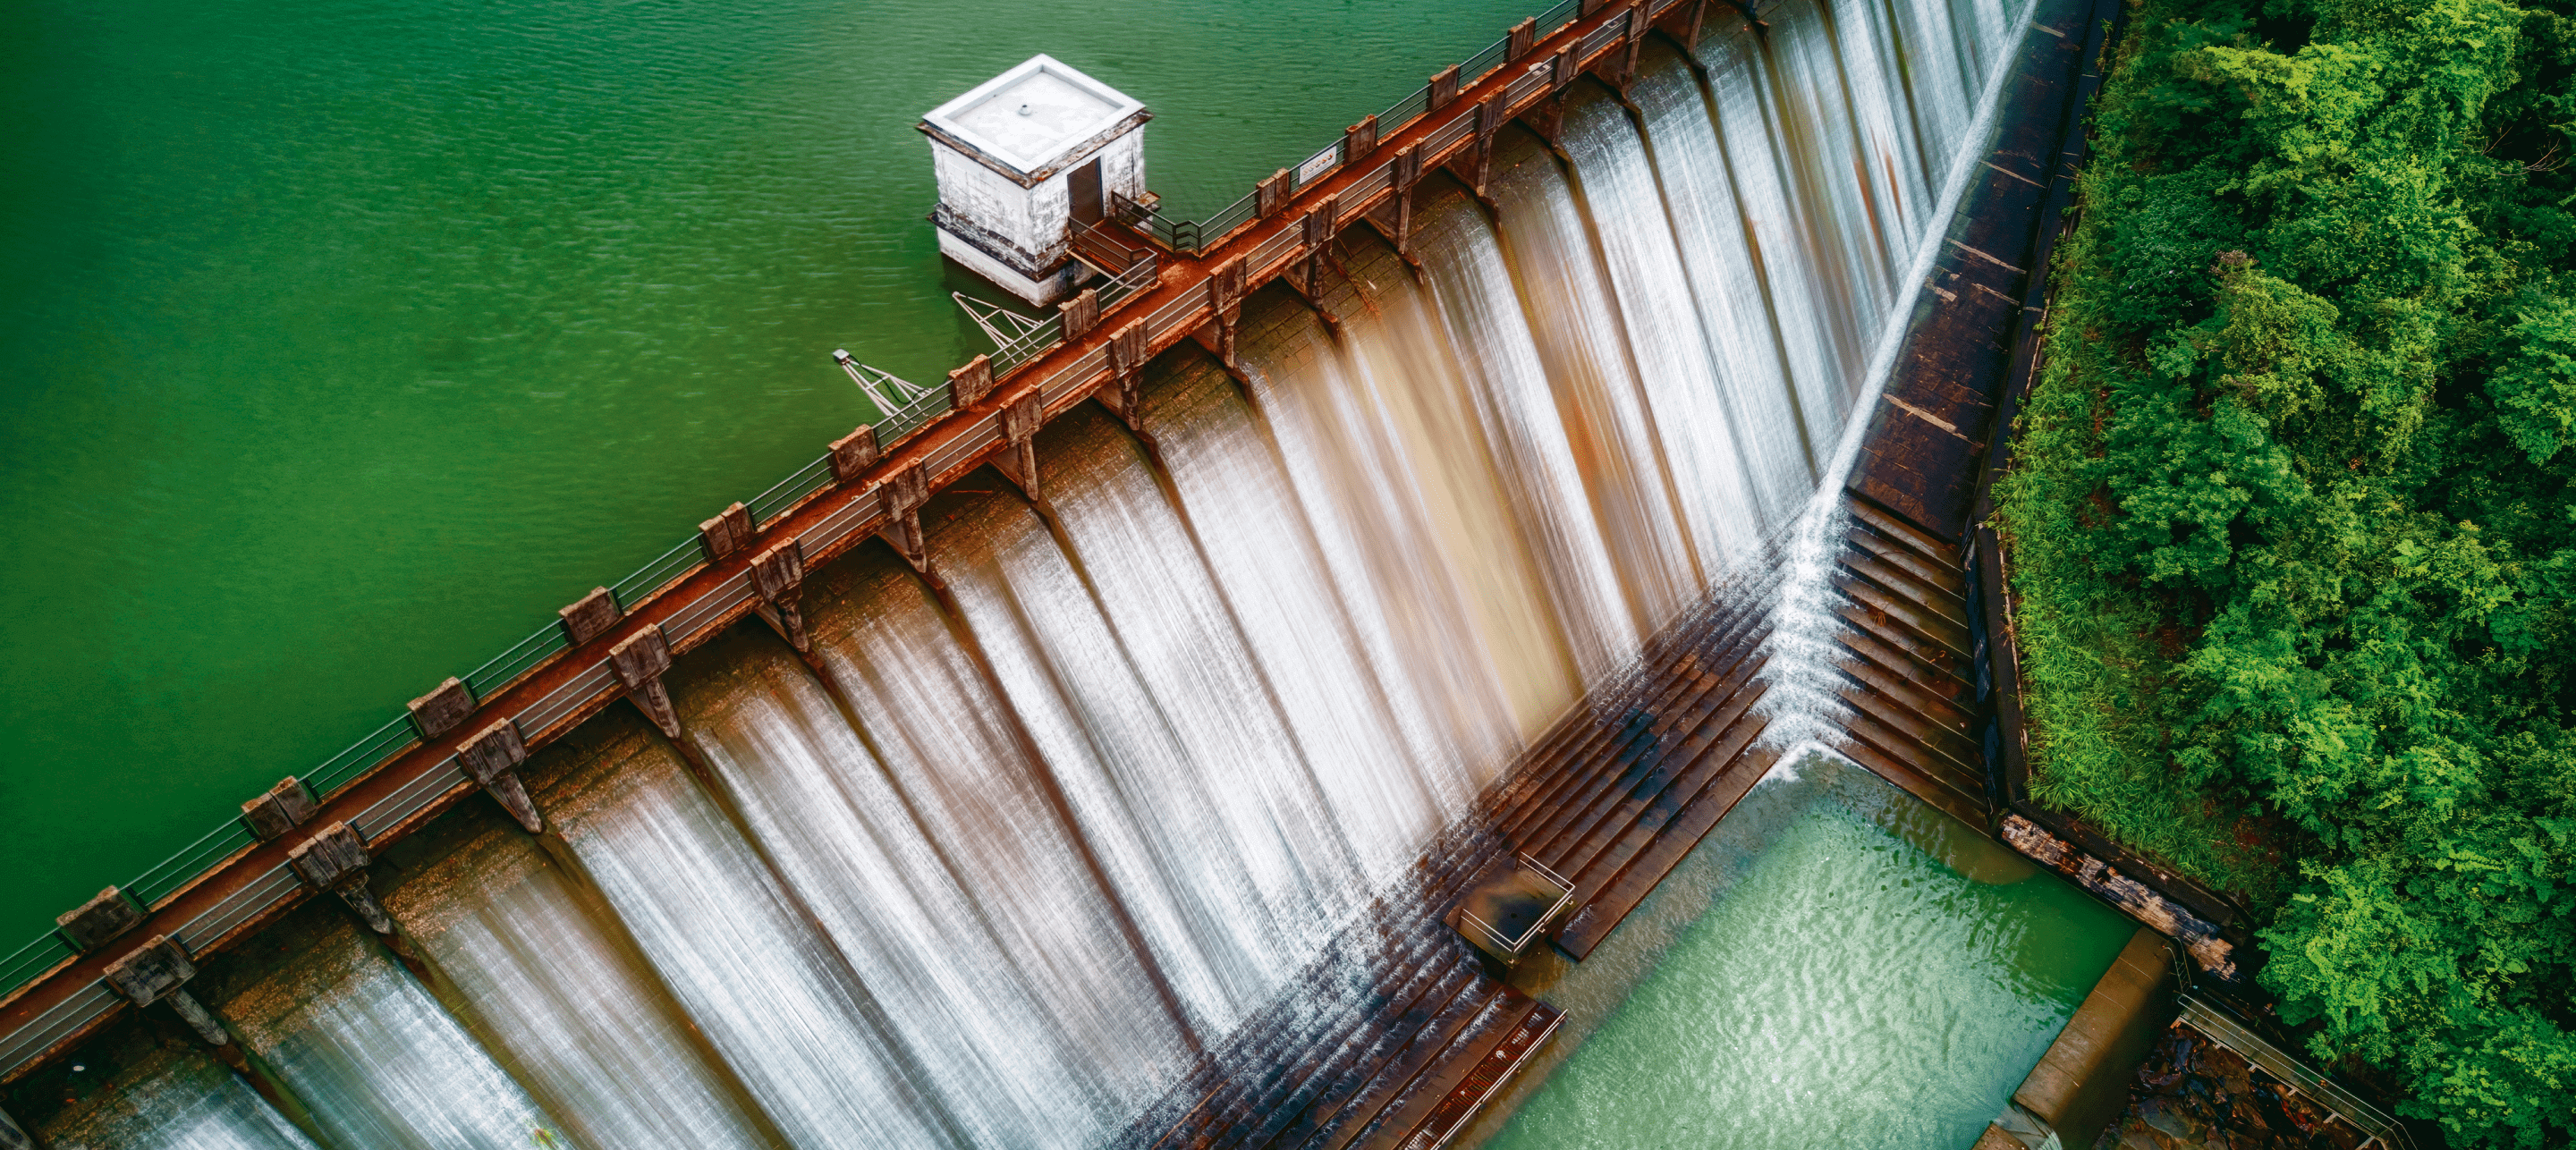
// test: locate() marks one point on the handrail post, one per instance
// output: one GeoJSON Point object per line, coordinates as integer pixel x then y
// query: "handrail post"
{"type": "Point", "coordinates": [1359, 139]}
{"type": "Point", "coordinates": [1444, 88]}
{"type": "Point", "coordinates": [971, 383]}
{"type": "Point", "coordinates": [1269, 195]}
{"type": "Point", "coordinates": [1081, 314]}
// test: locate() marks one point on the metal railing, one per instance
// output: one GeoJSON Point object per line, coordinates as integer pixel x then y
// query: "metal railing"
{"type": "Point", "coordinates": [2372, 1122]}
{"type": "Point", "coordinates": [397, 735]}
{"type": "Point", "coordinates": [1197, 236]}
{"type": "Point", "coordinates": [1011, 355]}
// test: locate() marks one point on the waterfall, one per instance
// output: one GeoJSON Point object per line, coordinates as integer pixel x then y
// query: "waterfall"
{"type": "Point", "coordinates": [1724, 500]}
{"type": "Point", "coordinates": [980, 792]}
{"type": "Point", "coordinates": [1525, 434]}
{"type": "Point", "coordinates": [174, 1100]}
{"type": "Point", "coordinates": [1804, 701]}
{"type": "Point", "coordinates": [1382, 763]}
{"type": "Point", "coordinates": [544, 972]}
{"type": "Point", "coordinates": [377, 1061]}
{"type": "Point", "coordinates": [1598, 397]}
{"type": "Point", "coordinates": [1160, 822]}
{"type": "Point", "coordinates": [1027, 831]}
{"type": "Point", "coordinates": [857, 857]}
{"type": "Point", "coordinates": [751, 971]}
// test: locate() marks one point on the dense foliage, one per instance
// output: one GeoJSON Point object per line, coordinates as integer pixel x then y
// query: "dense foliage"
{"type": "Point", "coordinates": [2293, 526]}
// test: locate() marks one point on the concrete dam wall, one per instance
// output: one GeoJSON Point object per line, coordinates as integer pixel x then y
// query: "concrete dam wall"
{"type": "Point", "coordinates": [1042, 820]}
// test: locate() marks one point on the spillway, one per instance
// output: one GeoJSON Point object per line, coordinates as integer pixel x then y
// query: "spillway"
{"type": "Point", "coordinates": [1025, 834]}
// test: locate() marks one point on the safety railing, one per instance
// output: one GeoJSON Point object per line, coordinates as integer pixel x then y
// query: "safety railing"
{"type": "Point", "coordinates": [1197, 236]}
{"type": "Point", "coordinates": [38, 956]}
{"type": "Point", "coordinates": [2293, 1073]}
{"type": "Point", "coordinates": [397, 735]}
{"type": "Point", "coordinates": [1013, 354]}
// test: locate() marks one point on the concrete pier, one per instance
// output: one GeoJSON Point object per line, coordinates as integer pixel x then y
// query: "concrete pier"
{"type": "Point", "coordinates": [335, 859]}
{"type": "Point", "coordinates": [159, 971]}
{"type": "Point", "coordinates": [2082, 1083]}
{"type": "Point", "coordinates": [280, 809]}
{"type": "Point", "coordinates": [639, 662]}
{"type": "Point", "coordinates": [492, 761]}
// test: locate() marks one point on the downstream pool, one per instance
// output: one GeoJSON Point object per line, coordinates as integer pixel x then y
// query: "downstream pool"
{"type": "Point", "coordinates": [1837, 965]}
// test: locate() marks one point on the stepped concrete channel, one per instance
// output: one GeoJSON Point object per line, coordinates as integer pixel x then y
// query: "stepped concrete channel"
{"type": "Point", "coordinates": [1613, 797]}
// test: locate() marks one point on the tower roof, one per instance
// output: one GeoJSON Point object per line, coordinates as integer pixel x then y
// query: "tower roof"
{"type": "Point", "coordinates": [1036, 117]}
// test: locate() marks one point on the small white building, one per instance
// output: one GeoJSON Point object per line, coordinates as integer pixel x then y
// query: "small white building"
{"type": "Point", "coordinates": [1024, 158]}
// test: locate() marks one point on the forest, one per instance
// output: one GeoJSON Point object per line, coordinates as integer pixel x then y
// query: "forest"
{"type": "Point", "coordinates": [2291, 526]}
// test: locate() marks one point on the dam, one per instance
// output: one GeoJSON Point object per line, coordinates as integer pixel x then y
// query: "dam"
{"type": "Point", "coordinates": [1087, 751]}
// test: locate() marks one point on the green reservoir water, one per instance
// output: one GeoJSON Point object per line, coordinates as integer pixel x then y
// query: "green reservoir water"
{"type": "Point", "coordinates": [347, 339]}
{"type": "Point", "coordinates": [1837, 966]}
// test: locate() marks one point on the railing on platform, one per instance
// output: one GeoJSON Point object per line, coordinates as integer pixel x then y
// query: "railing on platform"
{"type": "Point", "coordinates": [30, 961]}
{"type": "Point", "coordinates": [1197, 236]}
{"type": "Point", "coordinates": [1011, 355]}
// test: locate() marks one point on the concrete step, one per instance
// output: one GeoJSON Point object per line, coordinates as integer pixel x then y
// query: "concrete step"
{"type": "Point", "coordinates": [1941, 796]}
{"type": "Point", "coordinates": [1595, 867]}
{"type": "Point", "coordinates": [1326, 1111]}
{"type": "Point", "coordinates": [1278, 1107]}
{"type": "Point", "coordinates": [1572, 855]}
{"type": "Point", "coordinates": [1903, 584]}
{"type": "Point", "coordinates": [1938, 681]}
{"type": "Point", "coordinates": [1950, 579]}
{"type": "Point", "coordinates": [1896, 529]}
{"type": "Point", "coordinates": [1906, 614]}
{"type": "Point", "coordinates": [1897, 747]}
{"type": "Point", "coordinates": [1949, 714]}
{"type": "Point", "coordinates": [1420, 1051]}
{"type": "Point", "coordinates": [1663, 851]}
{"type": "Point", "coordinates": [1576, 811]}
{"type": "Point", "coordinates": [1414, 1103]}
{"type": "Point", "coordinates": [1952, 748]}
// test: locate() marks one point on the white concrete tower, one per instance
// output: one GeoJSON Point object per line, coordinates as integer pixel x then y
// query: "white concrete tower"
{"type": "Point", "coordinates": [1022, 160]}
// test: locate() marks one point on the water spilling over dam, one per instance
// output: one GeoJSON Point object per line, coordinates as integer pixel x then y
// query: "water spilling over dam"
{"type": "Point", "coordinates": [1034, 828]}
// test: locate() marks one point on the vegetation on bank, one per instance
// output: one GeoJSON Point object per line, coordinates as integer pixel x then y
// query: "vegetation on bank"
{"type": "Point", "coordinates": [2293, 519]}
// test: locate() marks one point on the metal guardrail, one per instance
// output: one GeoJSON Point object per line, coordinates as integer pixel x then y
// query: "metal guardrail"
{"type": "Point", "coordinates": [1015, 354]}
{"type": "Point", "coordinates": [1197, 236]}
{"type": "Point", "coordinates": [2293, 1073]}
{"type": "Point", "coordinates": [32, 960]}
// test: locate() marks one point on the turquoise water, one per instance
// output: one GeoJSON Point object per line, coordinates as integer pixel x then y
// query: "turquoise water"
{"type": "Point", "coordinates": [346, 339]}
{"type": "Point", "coordinates": [1837, 966]}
